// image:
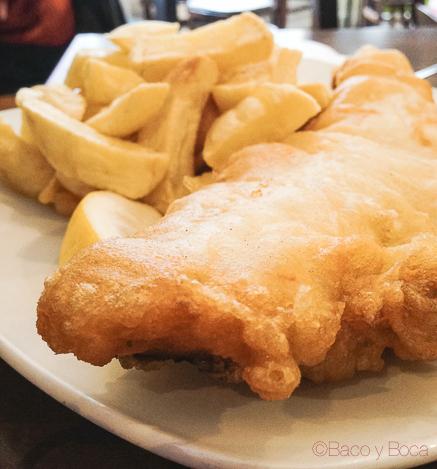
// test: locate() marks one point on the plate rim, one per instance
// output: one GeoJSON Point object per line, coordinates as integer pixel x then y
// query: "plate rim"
{"type": "Point", "coordinates": [187, 452]}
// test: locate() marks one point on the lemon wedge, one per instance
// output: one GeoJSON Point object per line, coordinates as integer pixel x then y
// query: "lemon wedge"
{"type": "Point", "coordinates": [101, 215]}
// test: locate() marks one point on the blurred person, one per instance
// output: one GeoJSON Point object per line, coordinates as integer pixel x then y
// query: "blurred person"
{"type": "Point", "coordinates": [33, 36]}
{"type": "Point", "coordinates": [35, 33]}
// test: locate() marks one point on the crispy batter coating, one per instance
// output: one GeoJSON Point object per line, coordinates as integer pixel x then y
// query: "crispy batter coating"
{"type": "Point", "coordinates": [306, 258]}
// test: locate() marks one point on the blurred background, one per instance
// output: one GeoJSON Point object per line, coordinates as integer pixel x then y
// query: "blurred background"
{"type": "Point", "coordinates": [35, 33]}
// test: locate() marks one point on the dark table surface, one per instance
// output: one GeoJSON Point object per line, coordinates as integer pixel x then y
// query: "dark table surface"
{"type": "Point", "coordinates": [37, 432]}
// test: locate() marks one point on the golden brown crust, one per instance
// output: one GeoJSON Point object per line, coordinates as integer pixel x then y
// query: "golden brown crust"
{"type": "Point", "coordinates": [308, 257]}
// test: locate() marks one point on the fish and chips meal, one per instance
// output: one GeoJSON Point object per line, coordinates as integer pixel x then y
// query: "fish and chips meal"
{"type": "Point", "coordinates": [226, 215]}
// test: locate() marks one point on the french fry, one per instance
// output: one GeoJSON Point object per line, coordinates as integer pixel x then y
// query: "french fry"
{"type": "Point", "coordinates": [280, 67]}
{"type": "Point", "coordinates": [77, 151]}
{"type": "Point", "coordinates": [157, 89]}
{"type": "Point", "coordinates": [48, 192]}
{"type": "Point", "coordinates": [240, 82]}
{"type": "Point", "coordinates": [228, 96]}
{"type": "Point", "coordinates": [73, 185]}
{"type": "Point", "coordinates": [175, 130]}
{"type": "Point", "coordinates": [125, 36]}
{"type": "Point", "coordinates": [22, 165]}
{"type": "Point", "coordinates": [102, 82]}
{"type": "Point", "coordinates": [74, 78]}
{"type": "Point", "coordinates": [319, 91]}
{"type": "Point", "coordinates": [62, 97]}
{"type": "Point", "coordinates": [241, 39]}
{"type": "Point", "coordinates": [62, 199]}
{"type": "Point", "coordinates": [130, 111]}
{"type": "Point", "coordinates": [284, 65]}
{"type": "Point", "coordinates": [92, 109]}
{"type": "Point", "coordinates": [65, 202]}
{"type": "Point", "coordinates": [269, 115]}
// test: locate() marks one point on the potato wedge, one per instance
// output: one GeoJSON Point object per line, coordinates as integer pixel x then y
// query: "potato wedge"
{"type": "Point", "coordinates": [125, 35]}
{"type": "Point", "coordinates": [130, 111]}
{"type": "Point", "coordinates": [319, 91]}
{"type": "Point", "coordinates": [62, 97]}
{"type": "Point", "coordinates": [284, 65]}
{"type": "Point", "coordinates": [74, 186]}
{"type": "Point", "coordinates": [175, 130]}
{"type": "Point", "coordinates": [240, 82]}
{"type": "Point", "coordinates": [239, 40]}
{"type": "Point", "coordinates": [65, 202]}
{"type": "Point", "coordinates": [269, 115]}
{"type": "Point", "coordinates": [54, 193]}
{"type": "Point", "coordinates": [79, 152]}
{"type": "Point", "coordinates": [229, 95]}
{"type": "Point", "coordinates": [92, 109]}
{"type": "Point", "coordinates": [74, 78]}
{"type": "Point", "coordinates": [102, 82]}
{"type": "Point", "coordinates": [280, 67]}
{"type": "Point", "coordinates": [22, 165]}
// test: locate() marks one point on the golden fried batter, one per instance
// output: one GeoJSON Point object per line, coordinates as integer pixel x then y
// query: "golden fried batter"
{"type": "Point", "coordinates": [309, 257]}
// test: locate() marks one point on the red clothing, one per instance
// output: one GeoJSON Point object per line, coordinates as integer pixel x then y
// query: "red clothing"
{"type": "Point", "coordinates": [40, 22]}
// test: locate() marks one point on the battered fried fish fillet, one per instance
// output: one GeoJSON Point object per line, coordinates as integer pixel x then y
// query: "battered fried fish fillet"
{"type": "Point", "coordinates": [309, 257]}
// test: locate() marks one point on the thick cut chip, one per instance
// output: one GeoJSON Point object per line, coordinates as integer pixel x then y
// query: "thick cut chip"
{"type": "Point", "coordinates": [240, 82]}
{"type": "Point", "coordinates": [175, 131]}
{"type": "Point", "coordinates": [102, 215]}
{"type": "Point", "coordinates": [62, 97]}
{"type": "Point", "coordinates": [280, 67]}
{"type": "Point", "coordinates": [75, 74]}
{"type": "Point", "coordinates": [239, 40]}
{"type": "Point", "coordinates": [284, 65]}
{"type": "Point", "coordinates": [79, 152]}
{"type": "Point", "coordinates": [125, 35]}
{"type": "Point", "coordinates": [92, 109]}
{"type": "Point", "coordinates": [229, 95]}
{"type": "Point", "coordinates": [54, 193]}
{"type": "Point", "coordinates": [319, 91]}
{"type": "Point", "coordinates": [74, 186]}
{"type": "Point", "coordinates": [130, 111]}
{"type": "Point", "coordinates": [102, 82]}
{"type": "Point", "coordinates": [22, 165]}
{"type": "Point", "coordinates": [269, 115]}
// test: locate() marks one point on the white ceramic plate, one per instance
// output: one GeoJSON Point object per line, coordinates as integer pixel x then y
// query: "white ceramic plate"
{"type": "Point", "coordinates": [181, 414]}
